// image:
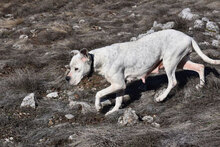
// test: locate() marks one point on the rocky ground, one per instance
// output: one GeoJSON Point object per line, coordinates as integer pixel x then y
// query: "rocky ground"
{"type": "Point", "coordinates": [37, 106]}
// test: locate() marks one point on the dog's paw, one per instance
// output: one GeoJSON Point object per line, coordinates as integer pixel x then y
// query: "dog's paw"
{"type": "Point", "coordinates": [98, 107]}
{"type": "Point", "coordinates": [199, 86]}
{"type": "Point", "coordinates": [111, 112]}
{"type": "Point", "coordinates": [158, 97]}
{"type": "Point", "coordinates": [108, 113]}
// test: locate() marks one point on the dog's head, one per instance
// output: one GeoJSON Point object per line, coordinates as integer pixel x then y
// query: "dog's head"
{"type": "Point", "coordinates": [80, 66]}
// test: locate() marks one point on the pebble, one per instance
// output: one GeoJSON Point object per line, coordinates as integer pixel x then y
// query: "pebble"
{"type": "Point", "coordinates": [69, 116]}
{"type": "Point", "coordinates": [212, 26]}
{"type": "Point", "coordinates": [186, 14]}
{"type": "Point", "coordinates": [156, 125]}
{"type": "Point", "coordinates": [148, 119]}
{"type": "Point", "coordinates": [198, 23]}
{"type": "Point", "coordinates": [129, 118]}
{"type": "Point", "coordinates": [29, 101]}
{"type": "Point", "coordinates": [52, 95]}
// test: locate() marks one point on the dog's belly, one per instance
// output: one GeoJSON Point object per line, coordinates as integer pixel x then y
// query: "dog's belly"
{"type": "Point", "coordinates": [134, 74]}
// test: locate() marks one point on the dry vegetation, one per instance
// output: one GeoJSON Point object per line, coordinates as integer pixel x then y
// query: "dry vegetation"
{"type": "Point", "coordinates": [36, 63]}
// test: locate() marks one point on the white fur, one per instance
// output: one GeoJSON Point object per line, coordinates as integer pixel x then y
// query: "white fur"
{"type": "Point", "coordinates": [128, 61]}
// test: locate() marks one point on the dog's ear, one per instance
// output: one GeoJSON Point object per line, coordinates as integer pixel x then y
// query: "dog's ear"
{"type": "Point", "coordinates": [74, 52]}
{"type": "Point", "coordinates": [84, 53]}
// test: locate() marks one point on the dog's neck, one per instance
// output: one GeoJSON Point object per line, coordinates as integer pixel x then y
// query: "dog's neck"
{"type": "Point", "coordinates": [91, 56]}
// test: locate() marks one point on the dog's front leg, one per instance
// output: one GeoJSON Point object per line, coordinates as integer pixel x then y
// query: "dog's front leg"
{"type": "Point", "coordinates": [111, 89]}
{"type": "Point", "coordinates": [118, 102]}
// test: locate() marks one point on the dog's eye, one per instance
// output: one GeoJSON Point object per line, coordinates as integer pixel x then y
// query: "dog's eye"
{"type": "Point", "coordinates": [76, 69]}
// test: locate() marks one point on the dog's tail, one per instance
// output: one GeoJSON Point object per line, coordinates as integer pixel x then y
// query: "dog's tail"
{"type": "Point", "coordinates": [202, 55]}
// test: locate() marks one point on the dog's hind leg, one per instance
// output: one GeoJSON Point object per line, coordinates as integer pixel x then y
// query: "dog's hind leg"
{"type": "Point", "coordinates": [199, 68]}
{"type": "Point", "coordinates": [170, 68]}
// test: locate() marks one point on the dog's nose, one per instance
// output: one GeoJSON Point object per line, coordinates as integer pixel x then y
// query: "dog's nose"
{"type": "Point", "coordinates": [68, 78]}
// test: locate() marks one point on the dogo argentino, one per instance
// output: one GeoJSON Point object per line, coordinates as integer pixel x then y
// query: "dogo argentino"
{"type": "Point", "coordinates": [123, 62]}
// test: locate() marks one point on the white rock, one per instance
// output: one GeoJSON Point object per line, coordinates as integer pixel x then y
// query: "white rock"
{"type": "Point", "coordinates": [155, 124]}
{"type": "Point", "coordinates": [81, 21]}
{"type": "Point", "coordinates": [85, 106]}
{"type": "Point", "coordinates": [217, 37]}
{"type": "Point", "coordinates": [168, 25]}
{"type": "Point", "coordinates": [52, 95]}
{"type": "Point", "coordinates": [205, 19]}
{"type": "Point", "coordinates": [204, 43]}
{"type": "Point", "coordinates": [129, 118]}
{"type": "Point", "coordinates": [148, 119]}
{"type": "Point", "coordinates": [28, 101]}
{"type": "Point", "coordinates": [132, 15]}
{"type": "Point", "coordinates": [186, 14]}
{"type": "Point", "coordinates": [133, 39]}
{"type": "Point", "coordinates": [215, 12]}
{"type": "Point", "coordinates": [75, 27]}
{"type": "Point", "coordinates": [149, 32]}
{"type": "Point", "coordinates": [208, 33]}
{"type": "Point", "coordinates": [155, 24]}
{"type": "Point", "coordinates": [190, 28]}
{"type": "Point", "coordinates": [69, 116]}
{"type": "Point", "coordinates": [198, 23]}
{"type": "Point", "coordinates": [212, 26]}
{"type": "Point", "coordinates": [135, 6]}
{"type": "Point", "coordinates": [215, 43]}
{"type": "Point", "coordinates": [23, 37]}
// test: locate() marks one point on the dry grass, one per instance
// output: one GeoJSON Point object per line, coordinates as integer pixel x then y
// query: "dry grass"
{"type": "Point", "coordinates": [25, 80]}
{"type": "Point", "coordinates": [5, 23]}
{"type": "Point", "coordinates": [188, 117]}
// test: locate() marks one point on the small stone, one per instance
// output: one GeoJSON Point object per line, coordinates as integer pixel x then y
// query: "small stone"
{"type": "Point", "coordinates": [52, 95]}
{"type": "Point", "coordinates": [76, 27]}
{"type": "Point", "coordinates": [133, 39]}
{"type": "Point", "coordinates": [29, 101]}
{"type": "Point", "coordinates": [132, 15]}
{"type": "Point", "coordinates": [168, 25]}
{"type": "Point", "coordinates": [150, 31]}
{"type": "Point", "coordinates": [135, 6]}
{"type": "Point", "coordinates": [215, 43]}
{"type": "Point", "coordinates": [23, 37]}
{"type": "Point", "coordinates": [85, 107]}
{"type": "Point", "coordinates": [215, 12]}
{"type": "Point", "coordinates": [69, 116]}
{"type": "Point", "coordinates": [212, 26]}
{"type": "Point", "coordinates": [186, 14]}
{"type": "Point", "coordinates": [155, 124]}
{"type": "Point", "coordinates": [155, 25]}
{"type": "Point", "coordinates": [198, 23]}
{"type": "Point", "coordinates": [205, 19]}
{"type": "Point", "coordinates": [148, 119]}
{"type": "Point", "coordinates": [7, 140]}
{"type": "Point", "coordinates": [217, 37]}
{"type": "Point", "coordinates": [81, 21]}
{"type": "Point", "coordinates": [129, 118]}
{"type": "Point", "coordinates": [204, 43]}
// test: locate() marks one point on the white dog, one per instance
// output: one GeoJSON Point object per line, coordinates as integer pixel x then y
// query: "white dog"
{"type": "Point", "coordinates": [123, 62]}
